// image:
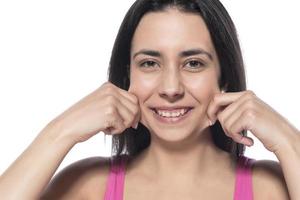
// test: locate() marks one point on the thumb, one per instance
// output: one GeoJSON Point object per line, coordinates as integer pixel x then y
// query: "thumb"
{"type": "Point", "coordinates": [130, 88]}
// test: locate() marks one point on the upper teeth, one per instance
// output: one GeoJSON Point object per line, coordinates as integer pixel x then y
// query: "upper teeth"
{"type": "Point", "coordinates": [172, 113]}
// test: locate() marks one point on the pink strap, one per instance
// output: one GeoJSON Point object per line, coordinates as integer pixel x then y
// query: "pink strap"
{"type": "Point", "coordinates": [115, 183]}
{"type": "Point", "coordinates": [243, 181]}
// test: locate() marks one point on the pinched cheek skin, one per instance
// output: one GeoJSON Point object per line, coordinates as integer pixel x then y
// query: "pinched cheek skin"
{"type": "Point", "coordinates": [143, 87]}
{"type": "Point", "coordinates": [202, 88]}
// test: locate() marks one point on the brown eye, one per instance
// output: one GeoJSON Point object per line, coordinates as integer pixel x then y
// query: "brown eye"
{"type": "Point", "coordinates": [147, 64]}
{"type": "Point", "coordinates": [195, 64]}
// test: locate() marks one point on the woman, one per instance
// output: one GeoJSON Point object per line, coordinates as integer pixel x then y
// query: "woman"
{"type": "Point", "coordinates": [177, 106]}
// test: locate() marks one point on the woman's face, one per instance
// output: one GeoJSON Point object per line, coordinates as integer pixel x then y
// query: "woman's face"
{"type": "Point", "coordinates": [173, 66]}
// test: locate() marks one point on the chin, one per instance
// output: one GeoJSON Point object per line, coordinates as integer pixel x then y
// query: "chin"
{"type": "Point", "coordinates": [175, 134]}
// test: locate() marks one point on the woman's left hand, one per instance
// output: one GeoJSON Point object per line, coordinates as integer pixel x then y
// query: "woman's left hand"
{"type": "Point", "coordinates": [238, 111]}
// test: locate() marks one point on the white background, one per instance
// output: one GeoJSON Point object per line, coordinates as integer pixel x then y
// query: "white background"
{"type": "Point", "coordinates": [53, 53]}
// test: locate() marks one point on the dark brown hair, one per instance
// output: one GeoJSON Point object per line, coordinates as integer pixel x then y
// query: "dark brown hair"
{"type": "Point", "coordinates": [225, 40]}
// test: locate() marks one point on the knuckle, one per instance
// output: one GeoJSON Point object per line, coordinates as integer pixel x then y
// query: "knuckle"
{"type": "Point", "coordinates": [110, 99]}
{"type": "Point", "coordinates": [250, 93]}
{"type": "Point", "coordinates": [250, 114]}
{"type": "Point", "coordinates": [238, 138]}
{"type": "Point", "coordinates": [109, 89]}
{"type": "Point", "coordinates": [109, 122]}
{"type": "Point", "coordinates": [127, 123]}
{"type": "Point", "coordinates": [250, 104]}
{"type": "Point", "coordinates": [110, 111]}
{"type": "Point", "coordinates": [133, 98]}
{"type": "Point", "coordinates": [230, 130]}
{"type": "Point", "coordinates": [113, 124]}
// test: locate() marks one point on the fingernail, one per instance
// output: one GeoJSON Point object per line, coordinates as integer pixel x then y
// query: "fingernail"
{"type": "Point", "coordinates": [210, 123]}
{"type": "Point", "coordinates": [136, 125]}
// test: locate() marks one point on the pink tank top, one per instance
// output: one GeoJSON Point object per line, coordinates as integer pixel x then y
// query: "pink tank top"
{"type": "Point", "coordinates": [243, 182]}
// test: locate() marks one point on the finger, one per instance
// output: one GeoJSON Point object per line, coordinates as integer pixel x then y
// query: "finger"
{"type": "Point", "coordinates": [126, 102]}
{"type": "Point", "coordinates": [137, 119]}
{"type": "Point", "coordinates": [239, 138]}
{"type": "Point", "coordinates": [130, 95]}
{"type": "Point", "coordinates": [115, 124]}
{"type": "Point", "coordinates": [127, 115]}
{"type": "Point", "coordinates": [247, 141]}
{"type": "Point", "coordinates": [220, 100]}
{"type": "Point", "coordinates": [132, 106]}
{"type": "Point", "coordinates": [237, 135]}
{"type": "Point", "coordinates": [135, 110]}
{"type": "Point", "coordinates": [231, 116]}
{"type": "Point", "coordinates": [232, 112]}
{"type": "Point", "coordinates": [241, 124]}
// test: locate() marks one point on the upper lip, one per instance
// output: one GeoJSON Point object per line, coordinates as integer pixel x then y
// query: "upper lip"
{"type": "Point", "coordinates": [170, 108]}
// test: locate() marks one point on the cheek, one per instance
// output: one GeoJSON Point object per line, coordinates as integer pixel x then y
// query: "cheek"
{"type": "Point", "coordinates": [141, 85]}
{"type": "Point", "coordinates": [203, 86]}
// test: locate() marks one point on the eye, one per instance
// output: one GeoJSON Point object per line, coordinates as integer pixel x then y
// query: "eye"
{"type": "Point", "coordinates": [195, 64]}
{"type": "Point", "coordinates": [148, 64]}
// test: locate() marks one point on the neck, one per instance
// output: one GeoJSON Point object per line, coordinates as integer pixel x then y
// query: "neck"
{"type": "Point", "coordinates": [198, 157]}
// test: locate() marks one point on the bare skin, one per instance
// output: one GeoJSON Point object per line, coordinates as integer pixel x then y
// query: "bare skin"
{"type": "Point", "coordinates": [108, 109]}
{"type": "Point", "coordinates": [185, 149]}
{"type": "Point", "coordinates": [89, 178]}
{"type": "Point", "coordinates": [181, 161]}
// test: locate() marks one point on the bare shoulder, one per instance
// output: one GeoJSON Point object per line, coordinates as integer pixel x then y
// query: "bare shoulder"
{"type": "Point", "coordinates": [268, 180]}
{"type": "Point", "coordinates": [80, 180]}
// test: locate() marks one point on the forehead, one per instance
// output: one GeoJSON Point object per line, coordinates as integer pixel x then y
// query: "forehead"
{"type": "Point", "coordinates": [171, 30]}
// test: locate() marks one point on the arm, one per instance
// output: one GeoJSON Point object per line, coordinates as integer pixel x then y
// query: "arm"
{"type": "Point", "coordinates": [33, 169]}
{"type": "Point", "coordinates": [289, 158]}
{"type": "Point", "coordinates": [245, 111]}
{"type": "Point", "coordinates": [83, 179]}
{"type": "Point", "coordinates": [108, 109]}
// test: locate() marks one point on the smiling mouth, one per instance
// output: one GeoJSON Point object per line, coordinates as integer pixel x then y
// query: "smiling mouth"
{"type": "Point", "coordinates": [171, 113]}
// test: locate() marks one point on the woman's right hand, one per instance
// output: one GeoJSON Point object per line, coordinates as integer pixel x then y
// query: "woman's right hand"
{"type": "Point", "coordinates": [108, 109]}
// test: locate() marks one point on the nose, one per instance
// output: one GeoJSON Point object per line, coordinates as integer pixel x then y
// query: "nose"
{"type": "Point", "coordinates": [171, 87]}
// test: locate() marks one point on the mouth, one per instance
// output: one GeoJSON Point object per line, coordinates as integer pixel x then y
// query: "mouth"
{"type": "Point", "coordinates": [171, 114]}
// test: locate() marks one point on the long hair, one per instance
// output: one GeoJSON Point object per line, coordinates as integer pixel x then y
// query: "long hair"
{"type": "Point", "coordinates": [225, 40]}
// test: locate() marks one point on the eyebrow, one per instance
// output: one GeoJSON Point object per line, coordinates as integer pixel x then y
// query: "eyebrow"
{"type": "Point", "coordinates": [185, 53]}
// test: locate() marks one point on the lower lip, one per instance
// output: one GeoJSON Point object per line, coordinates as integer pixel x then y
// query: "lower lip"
{"type": "Point", "coordinates": [171, 120]}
